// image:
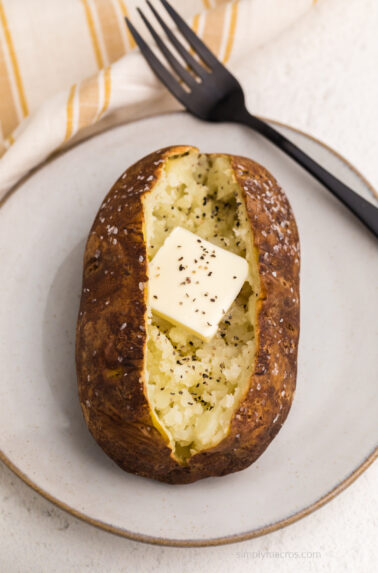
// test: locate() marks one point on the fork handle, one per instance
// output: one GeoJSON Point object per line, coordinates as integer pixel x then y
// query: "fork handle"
{"type": "Point", "coordinates": [363, 209]}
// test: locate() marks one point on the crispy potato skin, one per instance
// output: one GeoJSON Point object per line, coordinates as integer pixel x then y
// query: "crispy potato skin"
{"type": "Point", "coordinates": [111, 338]}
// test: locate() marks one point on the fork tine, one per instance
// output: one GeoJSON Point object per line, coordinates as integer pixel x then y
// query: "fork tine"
{"type": "Point", "coordinates": [202, 50]}
{"type": "Point", "coordinates": [157, 67]}
{"type": "Point", "coordinates": [178, 68]}
{"type": "Point", "coordinates": [195, 66]}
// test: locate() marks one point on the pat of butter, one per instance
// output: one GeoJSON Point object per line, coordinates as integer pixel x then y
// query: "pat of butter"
{"type": "Point", "coordinates": [193, 282]}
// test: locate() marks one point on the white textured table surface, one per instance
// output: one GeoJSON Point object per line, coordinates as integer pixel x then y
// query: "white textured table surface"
{"type": "Point", "coordinates": [320, 76]}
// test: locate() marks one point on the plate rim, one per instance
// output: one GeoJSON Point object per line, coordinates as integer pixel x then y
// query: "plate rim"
{"type": "Point", "coordinates": [228, 539]}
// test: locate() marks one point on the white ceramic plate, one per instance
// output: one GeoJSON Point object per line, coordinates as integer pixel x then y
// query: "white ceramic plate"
{"type": "Point", "coordinates": [330, 434]}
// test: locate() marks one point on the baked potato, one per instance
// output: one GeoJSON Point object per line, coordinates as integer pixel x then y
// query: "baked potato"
{"type": "Point", "coordinates": [161, 402]}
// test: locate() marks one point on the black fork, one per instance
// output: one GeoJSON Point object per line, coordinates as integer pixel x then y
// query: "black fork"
{"type": "Point", "coordinates": [209, 91]}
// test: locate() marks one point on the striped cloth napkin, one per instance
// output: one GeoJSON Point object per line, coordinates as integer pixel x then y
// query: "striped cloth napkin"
{"type": "Point", "coordinates": [68, 68]}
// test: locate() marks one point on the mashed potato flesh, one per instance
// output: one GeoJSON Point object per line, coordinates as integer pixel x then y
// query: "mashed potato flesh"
{"type": "Point", "coordinates": [194, 387]}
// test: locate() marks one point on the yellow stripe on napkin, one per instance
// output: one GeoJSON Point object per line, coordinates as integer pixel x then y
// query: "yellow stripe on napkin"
{"type": "Point", "coordinates": [125, 14]}
{"type": "Point", "coordinates": [8, 110]}
{"type": "Point", "coordinates": [93, 34]}
{"type": "Point", "coordinates": [231, 33]}
{"type": "Point", "coordinates": [107, 91]}
{"type": "Point", "coordinates": [212, 33]}
{"type": "Point", "coordinates": [110, 30]}
{"type": "Point", "coordinates": [89, 96]}
{"type": "Point", "coordinates": [14, 62]}
{"type": "Point", "coordinates": [70, 112]}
